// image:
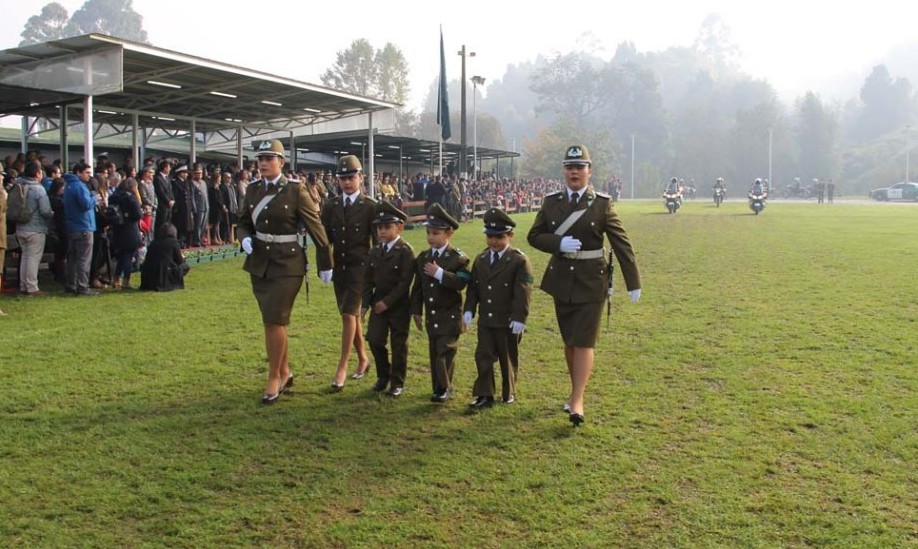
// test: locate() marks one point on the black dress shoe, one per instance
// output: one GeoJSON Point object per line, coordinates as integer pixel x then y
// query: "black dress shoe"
{"type": "Point", "coordinates": [270, 399]}
{"type": "Point", "coordinates": [380, 385]}
{"type": "Point", "coordinates": [337, 388]}
{"type": "Point", "coordinates": [510, 399]}
{"type": "Point", "coordinates": [395, 392]}
{"type": "Point", "coordinates": [482, 402]}
{"type": "Point", "coordinates": [442, 396]}
{"type": "Point", "coordinates": [576, 419]}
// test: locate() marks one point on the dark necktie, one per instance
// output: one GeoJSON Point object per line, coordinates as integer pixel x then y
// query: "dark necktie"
{"type": "Point", "coordinates": [494, 257]}
{"type": "Point", "coordinates": [347, 201]}
{"type": "Point", "coordinates": [436, 255]}
{"type": "Point", "coordinates": [574, 198]}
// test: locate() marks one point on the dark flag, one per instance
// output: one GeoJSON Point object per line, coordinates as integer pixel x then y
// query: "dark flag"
{"type": "Point", "coordinates": [442, 99]}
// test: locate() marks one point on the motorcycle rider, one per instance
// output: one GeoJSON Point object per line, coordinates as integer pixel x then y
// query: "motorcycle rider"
{"type": "Point", "coordinates": [719, 184]}
{"type": "Point", "coordinates": [757, 189]}
{"type": "Point", "coordinates": [673, 187]}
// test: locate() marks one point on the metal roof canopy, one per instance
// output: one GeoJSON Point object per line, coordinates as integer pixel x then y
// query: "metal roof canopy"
{"type": "Point", "coordinates": [389, 148]}
{"type": "Point", "coordinates": [131, 85]}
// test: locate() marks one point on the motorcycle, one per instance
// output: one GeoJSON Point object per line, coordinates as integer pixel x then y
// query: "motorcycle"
{"type": "Point", "coordinates": [719, 195]}
{"type": "Point", "coordinates": [797, 191]}
{"type": "Point", "coordinates": [756, 202]}
{"type": "Point", "coordinates": [672, 200]}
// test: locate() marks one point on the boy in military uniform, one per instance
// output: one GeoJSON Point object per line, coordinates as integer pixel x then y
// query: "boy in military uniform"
{"type": "Point", "coordinates": [441, 274]}
{"type": "Point", "coordinates": [385, 294]}
{"type": "Point", "coordinates": [572, 226]}
{"type": "Point", "coordinates": [348, 221]}
{"type": "Point", "coordinates": [500, 290]}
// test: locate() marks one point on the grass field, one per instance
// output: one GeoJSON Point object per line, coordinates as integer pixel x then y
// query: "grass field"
{"type": "Point", "coordinates": [763, 393]}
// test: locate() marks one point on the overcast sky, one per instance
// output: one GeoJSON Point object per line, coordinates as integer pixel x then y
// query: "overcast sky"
{"type": "Point", "coordinates": [796, 45]}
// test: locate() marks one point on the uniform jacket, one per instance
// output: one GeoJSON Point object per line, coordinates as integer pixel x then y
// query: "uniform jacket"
{"type": "Point", "coordinates": [388, 276]}
{"type": "Point", "coordinates": [582, 280]}
{"type": "Point", "coordinates": [500, 293]}
{"type": "Point", "coordinates": [163, 189]}
{"type": "Point", "coordinates": [442, 300]}
{"type": "Point", "coordinates": [350, 234]}
{"type": "Point", "coordinates": [282, 216]}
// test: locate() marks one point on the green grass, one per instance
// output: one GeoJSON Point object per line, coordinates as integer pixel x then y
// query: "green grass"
{"type": "Point", "coordinates": [763, 393]}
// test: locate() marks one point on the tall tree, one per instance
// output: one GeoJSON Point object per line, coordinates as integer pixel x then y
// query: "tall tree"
{"type": "Point", "coordinates": [355, 70]}
{"type": "Point", "coordinates": [392, 74]}
{"type": "Point", "coordinates": [49, 25]}
{"type": "Point", "coordinates": [887, 103]}
{"type": "Point", "coordinates": [816, 136]}
{"type": "Point", "coordinates": [572, 87]}
{"type": "Point", "coordinates": [111, 17]}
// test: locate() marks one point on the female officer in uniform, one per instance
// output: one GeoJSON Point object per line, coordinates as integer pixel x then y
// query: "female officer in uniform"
{"type": "Point", "coordinates": [572, 226]}
{"type": "Point", "coordinates": [273, 210]}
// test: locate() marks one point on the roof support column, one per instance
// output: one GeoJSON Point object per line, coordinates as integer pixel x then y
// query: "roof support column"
{"type": "Point", "coordinates": [135, 143]}
{"type": "Point", "coordinates": [193, 153]}
{"type": "Point", "coordinates": [64, 149]}
{"type": "Point", "coordinates": [292, 153]}
{"type": "Point", "coordinates": [24, 136]}
{"type": "Point", "coordinates": [371, 159]}
{"type": "Point", "coordinates": [239, 147]}
{"type": "Point", "coordinates": [88, 153]}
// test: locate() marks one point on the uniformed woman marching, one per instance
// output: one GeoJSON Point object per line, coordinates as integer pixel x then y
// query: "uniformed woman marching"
{"type": "Point", "coordinates": [272, 212]}
{"type": "Point", "coordinates": [572, 226]}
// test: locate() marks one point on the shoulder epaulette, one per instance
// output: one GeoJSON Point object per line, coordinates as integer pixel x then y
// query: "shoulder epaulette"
{"type": "Point", "coordinates": [553, 193]}
{"type": "Point", "coordinates": [603, 195]}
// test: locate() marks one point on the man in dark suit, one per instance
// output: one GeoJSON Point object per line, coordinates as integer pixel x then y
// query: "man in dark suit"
{"type": "Point", "coordinates": [272, 212]}
{"type": "Point", "coordinates": [164, 197]}
{"type": "Point", "coordinates": [572, 225]}
{"type": "Point", "coordinates": [348, 221]}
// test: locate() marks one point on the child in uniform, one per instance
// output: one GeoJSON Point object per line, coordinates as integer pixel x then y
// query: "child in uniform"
{"type": "Point", "coordinates": [441, 274]}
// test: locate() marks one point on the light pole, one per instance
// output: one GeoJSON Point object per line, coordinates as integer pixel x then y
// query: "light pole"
{"type": "Point", "coordinates": [476, 81]}
{"type": "Point", "coordinates": [463, 142]}
{"type": "Point", "coordinates": [770, 182]}
{"type": "Point", "coordinates": [908, 131]}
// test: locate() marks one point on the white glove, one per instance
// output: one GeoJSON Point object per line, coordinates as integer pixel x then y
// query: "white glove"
{"type": "Point", "coordinates": [610, 291]}
{"type": "Point", "coordinates": [467, 318]}
{"type": "Point", "coordinates": [439, 274]}
{"type": "Point", "coordinates": [635, 295]}
{"type": "Point", "coordinates": [247, 245]}
{"type": "Point", "coordinates": [570, 244]}
{"type": "Point", "coordinates": [325, 276]}
{"type": "Point", "coordinates": [517, 327]}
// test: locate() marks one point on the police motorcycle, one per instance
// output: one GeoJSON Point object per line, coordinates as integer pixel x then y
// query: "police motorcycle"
{"type": "Point", "coordinates": [672, 196]}
{"type": "Point", "coordinates": [796, 190]}
{"type": "Point", "coordinates": [720, 192]}
{"type": "Point", "coordinates": [757, 196]}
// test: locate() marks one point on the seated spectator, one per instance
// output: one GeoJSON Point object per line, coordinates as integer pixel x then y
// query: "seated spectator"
{"type": "Point", "coordinates": [164, 268]}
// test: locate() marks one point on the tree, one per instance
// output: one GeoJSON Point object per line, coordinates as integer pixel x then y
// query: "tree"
{"type": "Point", "coordinates": [887, 103]}
{"type": "Point", "coordinates": [571, 87]}
{"type": "Point", "coordinates": [355, 70]}
{"type": "Point", "coordinates": [392, 74]}
{"type": "Point", "coordinates": [816, 137]}
{"type": "Point", "coordinates": [49, 25]}
{"type": "Point", "coordinates": [111, 17]}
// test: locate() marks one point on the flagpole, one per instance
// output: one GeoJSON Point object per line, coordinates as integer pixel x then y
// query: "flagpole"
{"type": "Point", "coordinates": [443, 102]}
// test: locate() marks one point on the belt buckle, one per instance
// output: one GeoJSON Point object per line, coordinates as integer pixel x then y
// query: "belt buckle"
{"type": "Point", "coordinates": [269, 238]}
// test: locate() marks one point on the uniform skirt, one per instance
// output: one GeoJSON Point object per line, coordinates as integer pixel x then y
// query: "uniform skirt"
{"type": "Point", "coordinates": [579, 322]}
{"type": "Point", "coordinates": [348, 284]}
{"type": "Point", "coordinates": [275, 297]}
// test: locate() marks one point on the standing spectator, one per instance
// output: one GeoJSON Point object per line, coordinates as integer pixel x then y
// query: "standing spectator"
{"type": "Point", "coordinates": [126, 237]}
{"type": "Point", "coordinates": [230, 200]}
{"type": "Point", "coordinates": [183, 210]}
{"type": "Point", "coordinates": [58, 244]}
{"type": "Point", "coordinates": [148, 194]}
{"type": "Point", "coordinates": [200, 204]}
{"type": "Point", "coordinates": [79, 211]}
{"type": "Point", "coordinates": [830, 191]}
{"type": "Point", "coordinates": [32, 235]}
{"type": "Point", "coordinates": [164, 197]}
{"type": "Point", "coordinates": [215, 209]}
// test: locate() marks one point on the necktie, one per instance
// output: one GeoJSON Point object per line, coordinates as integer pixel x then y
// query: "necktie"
{"type": "Point", "coordinates": [574, 198]}
{"type": "Point", "coordinates": [347, 201]}
{"type": "Point", "coordinates": [494, 257]}
{"type": "Point", "coordinates": [436, 255]}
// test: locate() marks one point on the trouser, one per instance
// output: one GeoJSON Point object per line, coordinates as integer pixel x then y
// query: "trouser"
{"type": "Point", "coordinates": [394, 324]}
{"type": "Point", "coordinates": [79, 258]}
{"type": "Point", "coordinates": [501, 345]}
{"type": "Point", "coordinates": [32, 248]}
{"type": "Point", "coordinates": [124, 264]}
{"type": "Point", "coordinates": [200, 228]}
{"type": "Point", "coordinates": [442, 350]}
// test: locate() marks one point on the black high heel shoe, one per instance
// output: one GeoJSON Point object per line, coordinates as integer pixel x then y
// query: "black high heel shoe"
{"type": "Point", "coordinates": [337, 388]}
{"type": "Point", "coordinates": [576, 419]}
{"type": "Point", "coordinates": [270, 399]}
{"type": "Point", "coordinates": [287, 384]}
